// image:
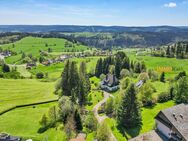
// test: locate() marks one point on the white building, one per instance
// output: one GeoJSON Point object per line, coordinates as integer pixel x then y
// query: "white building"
{"type": "Point", "coordinates": [173, 122]}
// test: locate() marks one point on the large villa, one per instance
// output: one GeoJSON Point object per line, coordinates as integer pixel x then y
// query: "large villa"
{"type": "Point", "coordinates": [171, 124]}
{"type": "Point", "coordinates": [110, 83]}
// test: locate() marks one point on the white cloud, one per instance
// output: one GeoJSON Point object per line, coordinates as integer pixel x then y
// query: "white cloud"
{"type": "Point", "coordinates": [170, 5]}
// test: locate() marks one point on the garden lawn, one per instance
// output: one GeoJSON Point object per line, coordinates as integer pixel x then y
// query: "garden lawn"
{"type": "Point", "coordinates": [25, 91]}
{"type": "Point", "coordinates": [148, 121]}
{"type": "Point", "coordinates": [24, 122]}
{"type": "Point", "coordinates": [160, 87]}
{"type": "Point", "coordinates": [96, 97]}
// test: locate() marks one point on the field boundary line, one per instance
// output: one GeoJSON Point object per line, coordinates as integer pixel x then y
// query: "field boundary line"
{"type": "Point", "coordinates": [27, 105]}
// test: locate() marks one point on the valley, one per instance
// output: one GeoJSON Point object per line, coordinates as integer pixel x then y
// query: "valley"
{"type": "Point", "coordinates": [26, 95]}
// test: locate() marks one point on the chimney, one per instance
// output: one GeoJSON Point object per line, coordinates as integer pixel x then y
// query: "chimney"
{"type": "Point", "coordinates": [181, 115]}
{"type": "Point", "coordinates": [174, 115]}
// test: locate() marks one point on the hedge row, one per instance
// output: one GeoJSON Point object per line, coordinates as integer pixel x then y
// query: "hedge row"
{"type": "Point", "coordinates": [26, 105]}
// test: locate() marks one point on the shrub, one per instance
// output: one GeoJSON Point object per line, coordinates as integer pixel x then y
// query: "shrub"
{"type": "Point", "coordinates": [103, 132]}
{"type": "Point", "coordinates": [153, 75]}
{"type": "Point", "coordinates": [40, 75]}
{"type": "Point", "coordinates": [1, 75]}
{"type": "Point", "coordinates": [125, 83]}
{"type": "Point", "coordinates": [144, 76]}
{"type": "Point", "coordinates": [146, 92]}
{"type": "Point", "coordinates": [124, 73]}
{"type": "Point", "coordinates": [91, 122]}
{"type": "Point", "coordinates": [12, 75]}
{"type": "Point", "coordinates": [102, 76]}
{"type": "Point", "coordinates": [5, 68]}
{"type": "Point", "coordinates": [163, 97]}
{"type": "Point", "coordinates": [109, 106]}
{"type": "Point", "coordinates": [180, 75]}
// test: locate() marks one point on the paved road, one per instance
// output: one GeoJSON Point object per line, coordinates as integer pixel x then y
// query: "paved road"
{"type": "Point", "coordinates": [99, 118]}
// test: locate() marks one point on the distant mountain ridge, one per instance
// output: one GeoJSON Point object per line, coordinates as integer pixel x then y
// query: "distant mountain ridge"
{"type": "Point", "coordinates": [104, 37]}
{"type": "Point", "coordinates": [77, 28]}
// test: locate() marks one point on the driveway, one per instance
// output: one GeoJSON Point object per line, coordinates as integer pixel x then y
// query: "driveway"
{"type": "Point", "coordinates": [99, 118]}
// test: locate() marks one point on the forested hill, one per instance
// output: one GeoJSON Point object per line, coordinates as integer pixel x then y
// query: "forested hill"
{"type": "Point", "coordinates": [75, 28]}
{"type": "Point", "coordinates": [106, 37]}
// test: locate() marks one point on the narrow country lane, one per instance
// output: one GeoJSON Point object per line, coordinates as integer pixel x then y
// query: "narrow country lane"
{"type": "Point", "coordinates": [99, 118]}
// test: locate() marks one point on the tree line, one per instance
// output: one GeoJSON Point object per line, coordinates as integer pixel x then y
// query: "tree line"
{"type": "Point", "coordinates": [178, 50]}
{"type": "Point", "coordinates": [118, 64]}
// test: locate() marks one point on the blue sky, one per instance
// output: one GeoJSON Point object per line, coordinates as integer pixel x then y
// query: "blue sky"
{"type": "Point", "coordinates": [94, 12]}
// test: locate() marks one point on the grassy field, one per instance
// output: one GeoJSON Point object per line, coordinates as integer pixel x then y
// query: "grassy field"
{"type": "Point", "coordinates": [153, 63]}
{"type": "Point", "coordinates": [24, 122]}
{"type": "Point", "coordinates": [54, 71]}
{"type": "Point", "coordinates": [32, 45]}
{"type": "Point", "coordinates": [23, 71]}
{"type": "Point", "coordinates": [18, 92]}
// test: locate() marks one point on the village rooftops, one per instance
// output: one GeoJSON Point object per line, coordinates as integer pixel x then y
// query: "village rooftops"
{"type": "Point", "coordinates": [177, 116]}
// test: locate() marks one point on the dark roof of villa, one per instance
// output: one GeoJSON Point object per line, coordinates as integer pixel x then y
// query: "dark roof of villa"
{"type": "Point", "coordinates": [111, 79]}
{"type": "Point", "coordinates": [178, 117]}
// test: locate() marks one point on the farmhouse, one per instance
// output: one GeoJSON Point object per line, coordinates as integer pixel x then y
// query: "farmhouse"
{"type": "Point", "coordinates": [5, 54]}
{"type": "Point", "coordinates": [110, 83]}
{"type": "Point", "coordinates": [173, 122]}
{"type": "Point", "coordinates": [30, 65]}
{"type": "Point", "coordinates": [48, 62]}
{"type": "Point", "coordinates": [62, 58]}
{"type": "Point", "coordinates": [7, 137]}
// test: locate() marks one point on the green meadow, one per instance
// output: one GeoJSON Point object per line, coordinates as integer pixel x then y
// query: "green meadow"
{"type": "Point", "coordinates": [33, 45]}
{"type": "Point", "coordinates": [54, 71]}
{"type": "Point", "coordinates": [24, 122]}
{"type": "Point", "coordinates": [18, 92]}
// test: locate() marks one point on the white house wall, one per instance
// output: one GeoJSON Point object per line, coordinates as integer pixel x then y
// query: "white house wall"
{"type": "Point", "coordinates": [163, 129]}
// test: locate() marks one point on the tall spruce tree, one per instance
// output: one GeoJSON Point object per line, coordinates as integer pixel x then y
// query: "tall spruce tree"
{"type": "Point", "coordinates": [162, 77]}
{"type": "Point", "coordinates": [65, 80]}
{"type": "Point", "coordinates": [128, 113]}
{"type": "Point", "coordinates": [78, 120]}
{"type": "Point", "coordinates": [118, 67]}
{"type": "Point", "coordinates": [99, 68]}
{"type": "Point", "coordinates": [168, 51]}
{"type": "Point", "coordinates": [84, 84]}
{"type": "Point", "coordinates": [70, 80]}
{"type": "Point", "coordinates": [126, 63]}
{"type": "Point", "coordinates": [74, 81]}
{"type": "Point", "coordinates": [137, 67]}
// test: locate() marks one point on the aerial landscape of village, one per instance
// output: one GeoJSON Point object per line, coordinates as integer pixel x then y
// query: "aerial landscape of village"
{"type": "Point", "coordinates": [101, 70]}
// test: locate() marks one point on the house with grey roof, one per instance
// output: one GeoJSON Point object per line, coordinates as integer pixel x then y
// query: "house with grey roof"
{"type": "Point", "coordinates": [173, 122]}
{"type": "Point", "coordinates": [110, 83]}
{"type": "Point", "coordinates": [7, 137]}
